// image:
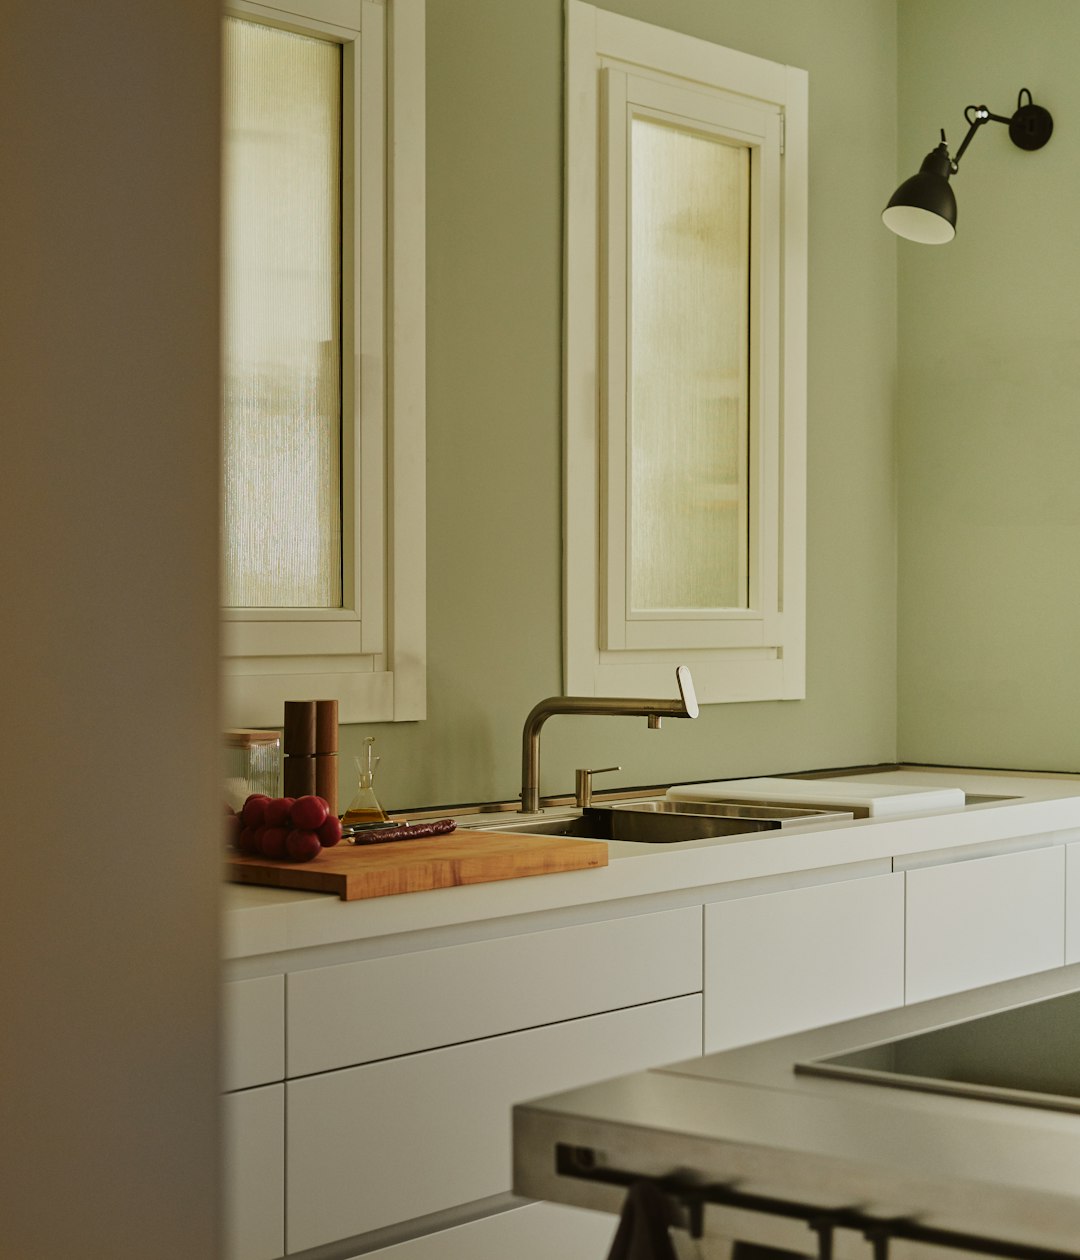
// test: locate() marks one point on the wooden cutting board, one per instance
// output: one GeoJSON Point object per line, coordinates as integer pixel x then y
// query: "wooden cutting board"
{"type": "Point", "coordinates": [462, 857]}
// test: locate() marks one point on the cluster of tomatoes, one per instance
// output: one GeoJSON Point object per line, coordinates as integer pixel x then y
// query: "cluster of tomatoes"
{"type": "Point", "coordinates": [285, 828]}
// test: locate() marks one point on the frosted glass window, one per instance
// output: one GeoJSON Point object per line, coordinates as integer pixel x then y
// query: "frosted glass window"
{"type": "Point", "coordinates": [689, 389]}
{"type": "Point", "coordinates": [282, 321]}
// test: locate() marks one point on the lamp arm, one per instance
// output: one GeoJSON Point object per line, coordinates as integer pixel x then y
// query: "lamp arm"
{"type": "Point", "coordinates": [976, 115]}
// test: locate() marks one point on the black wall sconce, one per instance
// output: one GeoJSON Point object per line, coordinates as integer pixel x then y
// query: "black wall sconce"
{"type": "Point", "coordinates": [923, 208]}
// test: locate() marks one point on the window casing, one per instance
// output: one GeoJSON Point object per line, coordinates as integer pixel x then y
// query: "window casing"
{"type": "Point", "coordinates": [685, 364]}
{"type": "Point", "coordinates": [368, 648]}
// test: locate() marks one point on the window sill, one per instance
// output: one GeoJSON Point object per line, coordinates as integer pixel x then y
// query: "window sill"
{"type": "Point", "coordinates": [256, 689]}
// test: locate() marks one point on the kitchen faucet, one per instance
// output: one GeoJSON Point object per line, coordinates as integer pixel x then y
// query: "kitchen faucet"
{"type": "Point", "coordinates": [685, 707]}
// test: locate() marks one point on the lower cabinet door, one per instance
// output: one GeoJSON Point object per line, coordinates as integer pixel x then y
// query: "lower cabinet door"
{"type": "Point", "coordinates": [376, 1145]}
{"type": "Point", "coordinates": [254, 1127]}
{"type": "Point", "coordinates": [987, 919]}
{"type": "Point", "coordinates": [253, 1015]}
{"type": "Point", "coordinates": [785, 961]}
{"type": "Point", "coordinates": [537, 1231]}
{"type": "Point", "coordinates": [1072, 903]}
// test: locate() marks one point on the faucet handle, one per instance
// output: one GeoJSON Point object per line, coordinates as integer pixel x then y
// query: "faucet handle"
{"type": "Point", "coordinates": [686, 691]}
{"type": "Point", "coordinates": [583, 785]}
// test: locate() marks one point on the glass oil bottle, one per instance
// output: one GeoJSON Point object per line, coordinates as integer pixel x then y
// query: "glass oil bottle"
{"type": "Point", "coordinates": [365, 807]}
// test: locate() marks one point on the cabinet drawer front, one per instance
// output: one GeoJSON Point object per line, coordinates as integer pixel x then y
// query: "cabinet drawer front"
{"type": "Point", "coordinates": [254, 1173]}
{"type": "Point", "coordinates": [972, 923]}
{"type": "Point", "coordinates": [359, 1012]}
{"type": "Point", "coordinates": [537, 1231]}
{"type": "Point", "coordinates": [1072, 903]}
{"type": "Point", "coordinates": [253, 1015]}
{"type": "Point", "coordinates": [371, 1146]}
{"type": "Point", "coordinates": [786, 961]}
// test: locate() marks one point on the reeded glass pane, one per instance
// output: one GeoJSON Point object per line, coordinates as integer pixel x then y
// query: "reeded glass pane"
{"type": "Point", "coordinates": [689, 385]}
{"type": "Point", "coordinates": [282, 338]}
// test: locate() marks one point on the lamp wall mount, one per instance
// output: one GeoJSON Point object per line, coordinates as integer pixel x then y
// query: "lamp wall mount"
{"type": "Point", "coordinates": [923, 208]}
{"type": "Point", "coordinates": [1029, 127]}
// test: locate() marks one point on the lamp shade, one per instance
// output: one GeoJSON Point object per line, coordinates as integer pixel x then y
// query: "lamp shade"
{"type": "Point", "coordinates": [923, 208]}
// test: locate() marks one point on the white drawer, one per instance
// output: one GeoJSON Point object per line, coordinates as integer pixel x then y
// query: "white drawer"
{"type": "Point", "coordinates": [253, 1016]}
{"type": "Point", "coordinates": [537, 1231]}
{"type": "Point", "coordinates": [1072, 903]}
{"type": "Point", "coordinates": [372, 1146]}
{"type": "Point", "coordinates": [786, 961]}
{"type": "Point", "coordinates": [254, 1173]}
{"type": "Point", "coordinates": [359, 1012]}
{"type": "Point", "coordinates": [988, 919]}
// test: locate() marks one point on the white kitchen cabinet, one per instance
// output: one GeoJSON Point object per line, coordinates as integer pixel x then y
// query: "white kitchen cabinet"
{"type": "Point", "coordinates": [253, 1018]}
{"type": "Point", "coordinates": [253, 1121]}
{"type": "Point", "coordinates": [1072, 903]}
{"type": "Point", "coordinates": [374, 1145]}
{"type": "Point", "coordinates": [381, 1007]}
{"type": "Point", "coordinates": [974, 922]}
{"type": "Point", "coordinates": [785, 961]}
{"type": "Point", "coordinates": [536, 1231]}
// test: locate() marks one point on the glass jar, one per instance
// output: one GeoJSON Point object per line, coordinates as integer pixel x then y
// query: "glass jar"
{"type": "Point", "coordinates": [252, 764]}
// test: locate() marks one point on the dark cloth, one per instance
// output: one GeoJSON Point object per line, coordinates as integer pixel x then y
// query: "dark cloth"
{"type": "Point", "coordinates": [643, 1226]}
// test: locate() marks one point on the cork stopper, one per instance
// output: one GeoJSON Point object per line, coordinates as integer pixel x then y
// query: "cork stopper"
{"type": "Point", "coordinates": [249, 737]}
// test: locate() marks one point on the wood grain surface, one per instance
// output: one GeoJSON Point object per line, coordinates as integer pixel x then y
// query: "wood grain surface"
{"type": "Point", "coordinates": [383, 870]}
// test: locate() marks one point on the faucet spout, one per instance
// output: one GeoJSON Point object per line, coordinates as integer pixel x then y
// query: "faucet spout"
{"type": "Point", "coordinates": [685, 707]}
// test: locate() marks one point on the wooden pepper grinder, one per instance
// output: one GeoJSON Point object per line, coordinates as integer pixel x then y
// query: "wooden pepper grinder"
{"type": "Point", "coordinates": [326, 752]}
{"type": "Point", "coordinates": [298, 748]}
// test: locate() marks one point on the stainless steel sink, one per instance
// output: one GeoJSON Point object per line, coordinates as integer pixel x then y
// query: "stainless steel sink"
{"type": "Point", "coordinates": [668, 822]}
{"type": "Point", "coordinates": [777, 811]}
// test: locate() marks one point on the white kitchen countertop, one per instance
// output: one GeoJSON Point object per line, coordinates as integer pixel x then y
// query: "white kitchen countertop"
{"type": "Point", "coordinates": [261, 921]}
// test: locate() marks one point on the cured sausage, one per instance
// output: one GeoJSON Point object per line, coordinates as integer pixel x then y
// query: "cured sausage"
{"type": "Point", "coordinates": [400, 831]}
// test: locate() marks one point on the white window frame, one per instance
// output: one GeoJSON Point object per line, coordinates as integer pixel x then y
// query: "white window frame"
{"type": "Point", "coordinates": [617, 68]}
{"type": "Point", "coordinates": [370, 654]}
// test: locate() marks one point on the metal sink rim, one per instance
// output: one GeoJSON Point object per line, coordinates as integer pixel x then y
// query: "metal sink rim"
{"type": "Point", "coordinates": [619, 821]}
{"type": "Point", "coordinates": [786, 815]}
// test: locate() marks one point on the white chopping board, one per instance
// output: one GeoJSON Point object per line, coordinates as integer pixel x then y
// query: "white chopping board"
{"type": "Point", "coordinates": [875, 799]}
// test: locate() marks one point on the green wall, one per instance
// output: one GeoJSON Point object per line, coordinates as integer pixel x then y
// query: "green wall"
{"type": "Point", "coordinates": [494, 426]}
{"type": "Point", "coordinates": [988, 425]}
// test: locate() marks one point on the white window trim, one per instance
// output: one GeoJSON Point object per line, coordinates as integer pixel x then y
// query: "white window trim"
{"type": "Point", "coordinates": [755, 654]}
{"type": "Point", "coordinates": [371, 653]}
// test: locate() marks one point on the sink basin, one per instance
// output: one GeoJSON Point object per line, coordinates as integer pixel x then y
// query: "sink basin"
{"type": "Point", "coordinates": [668, 822]}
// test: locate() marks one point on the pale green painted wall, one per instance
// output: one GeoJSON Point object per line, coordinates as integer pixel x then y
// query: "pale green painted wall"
{"type": "Point", "coordinates": [989, 408]}
{"type": "Point", "coordinates": [494, 492]}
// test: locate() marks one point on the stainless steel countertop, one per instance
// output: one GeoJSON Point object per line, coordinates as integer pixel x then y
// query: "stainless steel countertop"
{"type": "Point", "coordinates": [745, 1118]}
